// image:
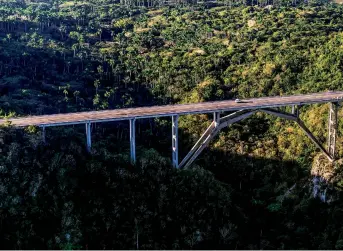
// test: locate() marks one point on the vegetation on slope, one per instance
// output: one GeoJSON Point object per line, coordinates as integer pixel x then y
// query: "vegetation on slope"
{"type": "Point", "coordinates": [66, 56]}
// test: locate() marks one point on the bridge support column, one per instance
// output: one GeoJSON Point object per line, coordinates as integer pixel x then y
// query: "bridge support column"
{"type": "Point", "coordinates": [88, 136]}
{"type": "Point", "coordinates": [43, 135]}
{"type": "Point", "coordinates": [332, 126]}
{"type": "Point", "coordinates": [295, 110]}
{"type": "Point", "coordinates": [216, 118]}
{"type": "Point", "coordinates": [175, 140]}
{"type": "Point", "coordinates": [133, 141]}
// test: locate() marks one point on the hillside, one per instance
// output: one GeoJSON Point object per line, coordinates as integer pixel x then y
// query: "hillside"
{"type": "Point", "coordinates": [252, 189]}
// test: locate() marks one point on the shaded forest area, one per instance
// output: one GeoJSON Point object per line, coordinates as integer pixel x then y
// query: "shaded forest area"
{"type": "Point", "coordinates": [252, 189]}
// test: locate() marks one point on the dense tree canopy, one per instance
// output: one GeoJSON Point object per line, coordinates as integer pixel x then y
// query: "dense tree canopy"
{"type": "Point", "coordinates": [252, 189]}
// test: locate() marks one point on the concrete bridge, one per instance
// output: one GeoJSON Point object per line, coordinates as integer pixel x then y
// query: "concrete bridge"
{"type": "Point", "coordinates": [240, 109]}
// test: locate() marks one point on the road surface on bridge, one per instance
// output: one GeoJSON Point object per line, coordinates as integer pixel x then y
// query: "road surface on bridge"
{"type": "Point", "coordinates": [171, 110]}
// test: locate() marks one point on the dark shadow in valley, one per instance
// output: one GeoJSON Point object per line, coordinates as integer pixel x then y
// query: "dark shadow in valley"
{"type": "Point", "coordinates": [270, 200]}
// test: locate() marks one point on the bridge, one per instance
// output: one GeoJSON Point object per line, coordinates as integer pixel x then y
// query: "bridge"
{"type": "Point", "coordinates": [238, 109]}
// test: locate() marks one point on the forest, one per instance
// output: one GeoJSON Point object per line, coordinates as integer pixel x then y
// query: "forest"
{"type": "Point", "coordinates": [261, 184]}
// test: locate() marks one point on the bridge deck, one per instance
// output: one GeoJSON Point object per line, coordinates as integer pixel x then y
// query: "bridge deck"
{"type": "Point", "coordinates": [170, 110]}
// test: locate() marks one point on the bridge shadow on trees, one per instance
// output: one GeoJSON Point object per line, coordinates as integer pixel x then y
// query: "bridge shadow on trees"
{"type": "Point", "coordinates": [101, 201]}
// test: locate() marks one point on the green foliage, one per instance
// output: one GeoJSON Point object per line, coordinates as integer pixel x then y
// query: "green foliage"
{"type": "Point", "coordinates": [67, 56]}
{"type": "Point", "coordinates": [32, 129]}
{"type": "Point", "coordinates": [274, 207]}
{"type": "Point", "coordinates": [89, 199]}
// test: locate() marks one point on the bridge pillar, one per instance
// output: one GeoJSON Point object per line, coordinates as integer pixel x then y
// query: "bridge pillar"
{"type": "Point", "coordinates": [175, 140]}
{"type": "Point", "coordinates": [88, 136]}
{"type": "Point", "coordinates": [133, 141]}
{"type": "Point", "coordinates": [216, 118]}
{"type": "Point", "coordinates": [43, 135]}
{"type": "Point", "coordinates": [332, 127]}
{"type": "Point", "coordinates": [295, 110]}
